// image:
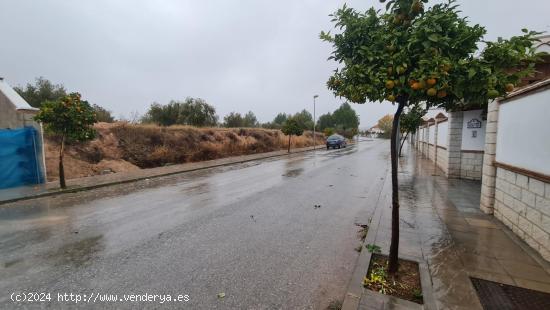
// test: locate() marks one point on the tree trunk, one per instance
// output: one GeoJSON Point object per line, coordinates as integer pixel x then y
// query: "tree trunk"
{"type": "Point", "coordinates": [403, 142]}
{"type": "Point", "coordinates": [289, 136]}
{"type": "Point", "coordinates": [394, 246]}
{"type": "Point", "coordinates": [61, 169]}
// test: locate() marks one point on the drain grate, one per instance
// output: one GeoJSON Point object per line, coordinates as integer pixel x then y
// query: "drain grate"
{"type": "Point", "coordinates": [500, 296]}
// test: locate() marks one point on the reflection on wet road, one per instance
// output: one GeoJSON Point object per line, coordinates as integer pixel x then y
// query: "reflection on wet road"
{"type": "Point", "coordinates": [249, 230]}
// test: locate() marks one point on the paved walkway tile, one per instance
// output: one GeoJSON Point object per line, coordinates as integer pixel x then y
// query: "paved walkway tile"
{"type": "Point", "coordinates": [441, 224]}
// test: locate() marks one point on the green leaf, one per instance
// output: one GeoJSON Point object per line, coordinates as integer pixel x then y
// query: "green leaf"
{"type": "Point", "coordinates": [433, 37]}
{"type": "Point", "coordinates": [471, 73]}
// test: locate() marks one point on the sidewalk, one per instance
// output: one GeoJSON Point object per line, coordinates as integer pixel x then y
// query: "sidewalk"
{"type": "Point", "coordinates": [443, 228]}
{"type": "Point", "coordinates": [87, 183]}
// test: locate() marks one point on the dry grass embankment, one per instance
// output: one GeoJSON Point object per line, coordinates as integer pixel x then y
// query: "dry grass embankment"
{"type": "Point", "coordinates": [123, 147]}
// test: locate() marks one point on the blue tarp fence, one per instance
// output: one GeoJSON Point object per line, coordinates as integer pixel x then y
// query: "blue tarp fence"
{"type": "Point", "coordinates": [20, 152]}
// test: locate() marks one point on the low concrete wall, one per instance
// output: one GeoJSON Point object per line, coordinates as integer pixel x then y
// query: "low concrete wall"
{"type": "Point", "coordinates": [523, 204]}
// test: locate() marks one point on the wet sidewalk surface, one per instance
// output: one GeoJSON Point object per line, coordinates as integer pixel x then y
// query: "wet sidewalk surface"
{"type": "Point", "coordinates": [442, 225]}
{"type": "Point", "coordinates": [78, 184]}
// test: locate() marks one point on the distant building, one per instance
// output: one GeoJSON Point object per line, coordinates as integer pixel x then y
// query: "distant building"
{"type": "Point", "coordinates": [375, 130]}
{"type": "Point", "coordinates": [21, 143]}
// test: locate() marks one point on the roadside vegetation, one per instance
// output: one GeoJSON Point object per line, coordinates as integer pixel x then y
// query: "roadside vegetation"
{"type": "Point", "coordinates": [176, 132]}
{"type": "Point", "coordinates": [292, 128]}
{"type": "Point", "coordinates": [121, 147]}
{"type": "Point", "coordinates": [70, 119]}
{"type": "Point", "coordinates": [179, 131]}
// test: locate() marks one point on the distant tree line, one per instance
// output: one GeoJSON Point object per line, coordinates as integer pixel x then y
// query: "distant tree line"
{"type": "Point", "coordinates": [303, 119]}
{"type": "Point", "coordinates": [43, 91]}
{"type": "Point", "coordinates": [191, 111]}
{"type": "Point", "coordinates": [236, 120]}
{"type": "Point", "coordinates": [343, 121]}
{"type": "Point", "coordinates": [197, 112]}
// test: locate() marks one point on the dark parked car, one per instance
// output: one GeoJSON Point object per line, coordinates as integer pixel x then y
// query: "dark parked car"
{"type": "Point", "coordinates": [336, 141]}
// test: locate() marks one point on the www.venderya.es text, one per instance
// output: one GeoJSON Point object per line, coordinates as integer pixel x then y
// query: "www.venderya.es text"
{"type": "Point", "coordinates": [94, 297]}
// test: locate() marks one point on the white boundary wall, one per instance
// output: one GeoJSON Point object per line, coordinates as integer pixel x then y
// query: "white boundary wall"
{"type": "Point", "coordinates": [516, 174]}
{"type": "Point", "coordinates": [523, 138]}
{"type": "Point", "coordinates": [432, 134]}
{"type": "Point", "coordinates": [442, 133]}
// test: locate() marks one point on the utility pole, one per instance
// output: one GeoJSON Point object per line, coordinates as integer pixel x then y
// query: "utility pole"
{"type": "Point", "coordinates": [314, 121]}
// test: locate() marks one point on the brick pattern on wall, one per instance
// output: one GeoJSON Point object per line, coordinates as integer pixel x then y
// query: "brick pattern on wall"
{"type": "Point", "coordinates": [455, 144]}
{"type": "Point", "coordinates": [471, 165]}
{"type": "Point", "coordinates": [523, 204]}
{"type": "Point", "coordinates": [489, 169]}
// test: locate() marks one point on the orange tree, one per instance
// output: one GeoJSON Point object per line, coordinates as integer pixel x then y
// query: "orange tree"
{"type": "Point", "coordinates": [409, 54]}
{"type": "Point", "coordinates": [69, 118]}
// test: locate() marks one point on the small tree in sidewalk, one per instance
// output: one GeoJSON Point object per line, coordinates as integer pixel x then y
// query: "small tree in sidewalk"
{"type": "Point", "coordinates": [291, 127]}
{"type": "Point", "coordinates": [71, 119]}
{"type": "Point", "coordinates": [409, 54]}
{"type": "Point", "coordinates": [409, 123]}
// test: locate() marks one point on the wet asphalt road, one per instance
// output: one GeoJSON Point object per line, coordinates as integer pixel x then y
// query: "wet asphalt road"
{"type": "Point", "coordinates": [250, 231]}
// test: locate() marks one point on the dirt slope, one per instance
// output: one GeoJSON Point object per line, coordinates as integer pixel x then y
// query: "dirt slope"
{"type": "Point", "coordinates": [123, 147]}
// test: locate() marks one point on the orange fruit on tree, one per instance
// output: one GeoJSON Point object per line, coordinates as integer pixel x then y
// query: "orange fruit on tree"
{"type": "Point", "coordinates": [432, 92]}
{"type": "Point", "coordinates": [431, 81]}
{"type": "Point", "coordinates": [493, 93]}
{"type": "Point", "coordinates": [441, 94]}
{"type": "Point", "coordinates": [390, 84]}
{"type": "Point", "coordinates": [391, 98]}
{"type": "Point", "coordinates": [509, 87]}
{"type": "Point", "coordinates": [417, 86]}
{"type": "Point", "coordinates": [401, 70]}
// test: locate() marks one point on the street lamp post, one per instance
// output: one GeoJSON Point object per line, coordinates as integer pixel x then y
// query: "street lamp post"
{"type": "Point", "coordinates": [314, 121]}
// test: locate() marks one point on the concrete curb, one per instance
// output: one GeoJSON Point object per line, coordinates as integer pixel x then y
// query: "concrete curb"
{"type": "Point", "coordinates": [253, 157]}
{"type": "Point", "coordinates": [377, 300]}
{"type": "Point", "coordinates": [355, 288]}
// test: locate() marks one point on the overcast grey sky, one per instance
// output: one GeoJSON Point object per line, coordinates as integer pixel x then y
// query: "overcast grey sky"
{"type": "Point", "coordinates": [257, 55]}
